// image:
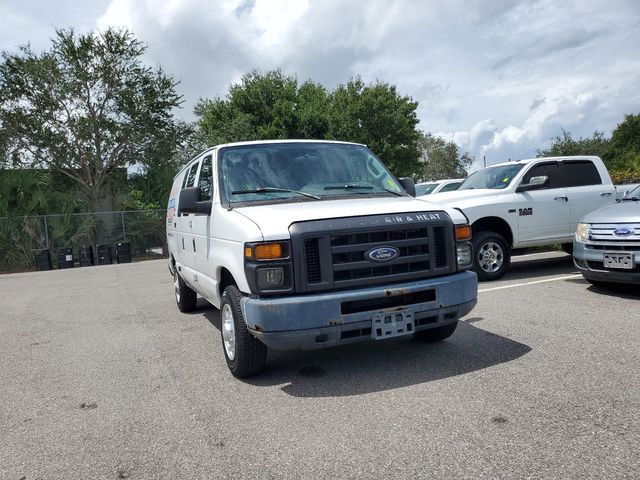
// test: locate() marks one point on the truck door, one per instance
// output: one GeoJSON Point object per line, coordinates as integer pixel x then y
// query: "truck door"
{"type": "Point", "coordinates": [543, 214]}
{"type": "Point", "coordinates": [585, 189]}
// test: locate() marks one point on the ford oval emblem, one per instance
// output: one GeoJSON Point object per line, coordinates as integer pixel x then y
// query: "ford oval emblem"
{"type": "Point", "coordinates": [623, 231]}
{"type": "Point", "coordinates": [382, 254]}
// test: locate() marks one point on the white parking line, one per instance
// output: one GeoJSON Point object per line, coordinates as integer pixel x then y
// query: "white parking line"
{"type": "Point", "coordinates": [554, 279]}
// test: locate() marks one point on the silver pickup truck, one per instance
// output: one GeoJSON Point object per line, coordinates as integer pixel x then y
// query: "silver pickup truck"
{"type": "Point", "coordinates": [607, 243]}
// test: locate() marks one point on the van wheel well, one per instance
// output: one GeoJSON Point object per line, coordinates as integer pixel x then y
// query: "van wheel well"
{"type": "Point", "coordinates": [226, 279]}
{"type": "Point", "coordinates": [494, 224]}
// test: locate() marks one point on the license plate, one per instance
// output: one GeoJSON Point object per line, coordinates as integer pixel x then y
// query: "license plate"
{"type": "Point", "coordinates": [620, 260]}
{"type": "Point", "coordinates": [393, 324]}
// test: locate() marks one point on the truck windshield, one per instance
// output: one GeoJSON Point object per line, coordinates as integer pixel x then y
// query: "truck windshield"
{"type": "Point", "coordinates": [492, 177]}
{"type": "Point", "coordinates": [277, 172]}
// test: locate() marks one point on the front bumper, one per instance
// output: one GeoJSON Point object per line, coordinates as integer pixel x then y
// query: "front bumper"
{"type": "Point", "coordinates": [308, 322]}
{"type": "Point", "coordinates": [589, 262]}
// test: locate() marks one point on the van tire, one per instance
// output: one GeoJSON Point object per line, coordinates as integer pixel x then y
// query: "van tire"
{"type": "Point", "coordinates": [495, 244]}
{"type": "Point", "coordinates": [186, 299]}
{"type": "Point", "coordinates": [436, 334]}
{"type": "Point", "coordinates": [249, 353]}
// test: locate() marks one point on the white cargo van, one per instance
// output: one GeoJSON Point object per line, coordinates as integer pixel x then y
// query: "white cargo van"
{"type": "Point", "coordinates": [309, 244]}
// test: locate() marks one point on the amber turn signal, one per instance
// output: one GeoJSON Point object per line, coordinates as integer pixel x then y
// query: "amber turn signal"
{"type": "Point", "coordinates": [463, 232]}
{"type": "Point", "coordinates": [269, 251]}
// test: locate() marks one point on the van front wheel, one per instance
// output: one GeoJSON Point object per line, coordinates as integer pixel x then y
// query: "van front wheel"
{"type": "Point", "coordinates": [245, 354]}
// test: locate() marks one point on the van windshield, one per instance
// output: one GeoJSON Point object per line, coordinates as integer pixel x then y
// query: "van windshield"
{"type": "Point", "coordinates": [492, 177]}
{"type": "Point", "coordinates": [278, 172]}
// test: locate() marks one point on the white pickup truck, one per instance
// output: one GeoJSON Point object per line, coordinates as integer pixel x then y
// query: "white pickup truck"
{"type": "Point", "coordinates": [527, 203]}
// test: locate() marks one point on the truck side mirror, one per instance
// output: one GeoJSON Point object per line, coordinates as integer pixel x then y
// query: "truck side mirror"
{"type": "Point", "coordinates": [534, 182]}
{"type": "Point", "coordinates": [408, 185]}
{"type": "Point", "coordinates": [189, 202]}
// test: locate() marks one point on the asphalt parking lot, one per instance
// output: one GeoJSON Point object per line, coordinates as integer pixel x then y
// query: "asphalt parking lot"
{"type": "Point", "coordinates": [103, 378]}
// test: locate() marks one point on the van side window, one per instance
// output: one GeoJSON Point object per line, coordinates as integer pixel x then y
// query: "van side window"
{"type": "Point", "coordinates": [547, 169]}
{"type": "Point", "coordinates": [190, 178]}
{"type": "Point", "coordinates": [581, 173]}
{"type": "Point", "coordinates": [205, 180]}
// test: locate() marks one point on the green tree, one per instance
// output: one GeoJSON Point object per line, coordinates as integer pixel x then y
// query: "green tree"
{"type": "Point", "coordinates": [85, 107]}
{"type": "Point", "coordinates": [624, 157]}
{"type": "Point", "coordinates": [261, 106]}
{"type": "Point", "coordinates": [272, 105]}
{"type": "Point", "coordinates": [440, 159]}
{"type": "Point", "coordinates": [379, 117]}
{"type": "Point", "coordinates": [565, 144]}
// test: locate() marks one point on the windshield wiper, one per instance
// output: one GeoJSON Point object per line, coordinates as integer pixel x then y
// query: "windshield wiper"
{"type": "Point", "coordinates": [633, 199]}
{"type": "Point", "coordinates": [274, 189]}
{"type": "Point", "coordinates": [353, 186]}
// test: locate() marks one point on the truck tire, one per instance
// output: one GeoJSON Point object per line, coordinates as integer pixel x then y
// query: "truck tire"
{"type": "Point", "coordinates": [245, 354]}
{"type": "Point", "coordinates": [436, 334]}
{"type": "Point", "coordinates": [491, 255]}
{"type": "Point", "coordinates": [186, 299]}
{"type": "Point", "coordinates": [567, 248]}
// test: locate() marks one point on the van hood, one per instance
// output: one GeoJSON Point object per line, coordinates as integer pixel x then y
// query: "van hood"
{"type": "Point", "coordinates": [622, 212]}
{"type": "Point", "coordinates": [274, 220]}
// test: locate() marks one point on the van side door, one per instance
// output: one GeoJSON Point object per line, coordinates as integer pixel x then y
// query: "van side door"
{"type": "Point", "coordinates": [201, 230]}
{"type": "Point", "coordinates": [184, 232]}
{"type": "Point", "coordinates": [543, 213]}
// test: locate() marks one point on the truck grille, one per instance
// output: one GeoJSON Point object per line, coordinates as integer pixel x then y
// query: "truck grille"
{"type": "Point", "coordinates": [334, 253]}
{"type": "Point", "coordinates": [603, 237]}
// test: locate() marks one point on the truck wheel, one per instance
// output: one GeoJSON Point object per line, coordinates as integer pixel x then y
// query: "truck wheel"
{"type": "Point", "coordinates": [491, 255]}
{"type": "Point", "coordinates": [567, 248]}
{"type": "Point", "coordinates": [245, 354]}
{"type": "Point", "coordinates": [436, 334]}
{"type": "Point", "coordinates": [186, 299]}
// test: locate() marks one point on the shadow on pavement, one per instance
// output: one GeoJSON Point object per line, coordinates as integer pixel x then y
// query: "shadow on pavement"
{"type": "Point", "coordinates": [378, 366]}
{"type": "Point", "coordinates": [619, 290]}
{"type": "Point", "coordinates": [531, 269]}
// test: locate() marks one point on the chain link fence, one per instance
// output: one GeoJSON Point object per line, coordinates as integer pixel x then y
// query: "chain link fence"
{"type": "Point", "coordinates": [23, 238]}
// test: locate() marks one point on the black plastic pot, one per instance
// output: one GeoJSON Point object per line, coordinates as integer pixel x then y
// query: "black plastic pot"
{"type": "Point", "coordinates": [104, 254]}
{"type": "Point", "coordinates": [43, 260]}
{"type": "Point", "coordinates": [123, 252]}
{"type": "Point", "coordinates": [65, 257]}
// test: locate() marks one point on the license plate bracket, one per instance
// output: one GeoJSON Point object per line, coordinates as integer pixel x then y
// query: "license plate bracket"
{"type": "Point", "coordinates": [392, 324]}
{"type": "Point", "coordinates": [618, 260]}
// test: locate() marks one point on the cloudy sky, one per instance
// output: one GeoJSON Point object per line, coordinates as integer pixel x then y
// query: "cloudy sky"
{"type": "Point", "coordinates": [499, 77]}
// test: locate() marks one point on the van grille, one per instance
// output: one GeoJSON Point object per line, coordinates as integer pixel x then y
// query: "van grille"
{"type": "Point", "coordinates": [337, 258]}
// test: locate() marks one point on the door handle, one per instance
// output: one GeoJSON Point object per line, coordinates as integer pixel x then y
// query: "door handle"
{"type": "Point", "coordinates": [561, 198]}
{"type": "Point", "coordinates": [605, 194]}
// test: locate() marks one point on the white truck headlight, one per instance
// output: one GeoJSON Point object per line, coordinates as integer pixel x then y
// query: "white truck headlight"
{"type": "Point", "coordinates": [582, 232]}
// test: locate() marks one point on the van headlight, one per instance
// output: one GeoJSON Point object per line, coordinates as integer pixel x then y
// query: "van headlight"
{"type": "Point", "coordinates": [270, 278]}
{"type": "Point", "coordinates": [582, 232]}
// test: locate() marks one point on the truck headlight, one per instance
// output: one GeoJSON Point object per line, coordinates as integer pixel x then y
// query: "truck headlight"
{"type": "Point", "coordinates": [270, 278]}
{"type": "Point", "coordinates": [464, 255]}
{"type": "Point", "coordinates": [582, 232]}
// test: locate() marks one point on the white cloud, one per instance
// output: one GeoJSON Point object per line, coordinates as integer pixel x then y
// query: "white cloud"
{"type": "Point", "coordinates": [499, 77]}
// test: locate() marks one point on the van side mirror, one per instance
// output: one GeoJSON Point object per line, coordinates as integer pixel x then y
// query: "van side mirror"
{"type": "Point", "coordinates": [408, 185]}
{"type": "Point", "coordinates": [534, 183]}
{"type": "Point", "coordinates": [189, 202]}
